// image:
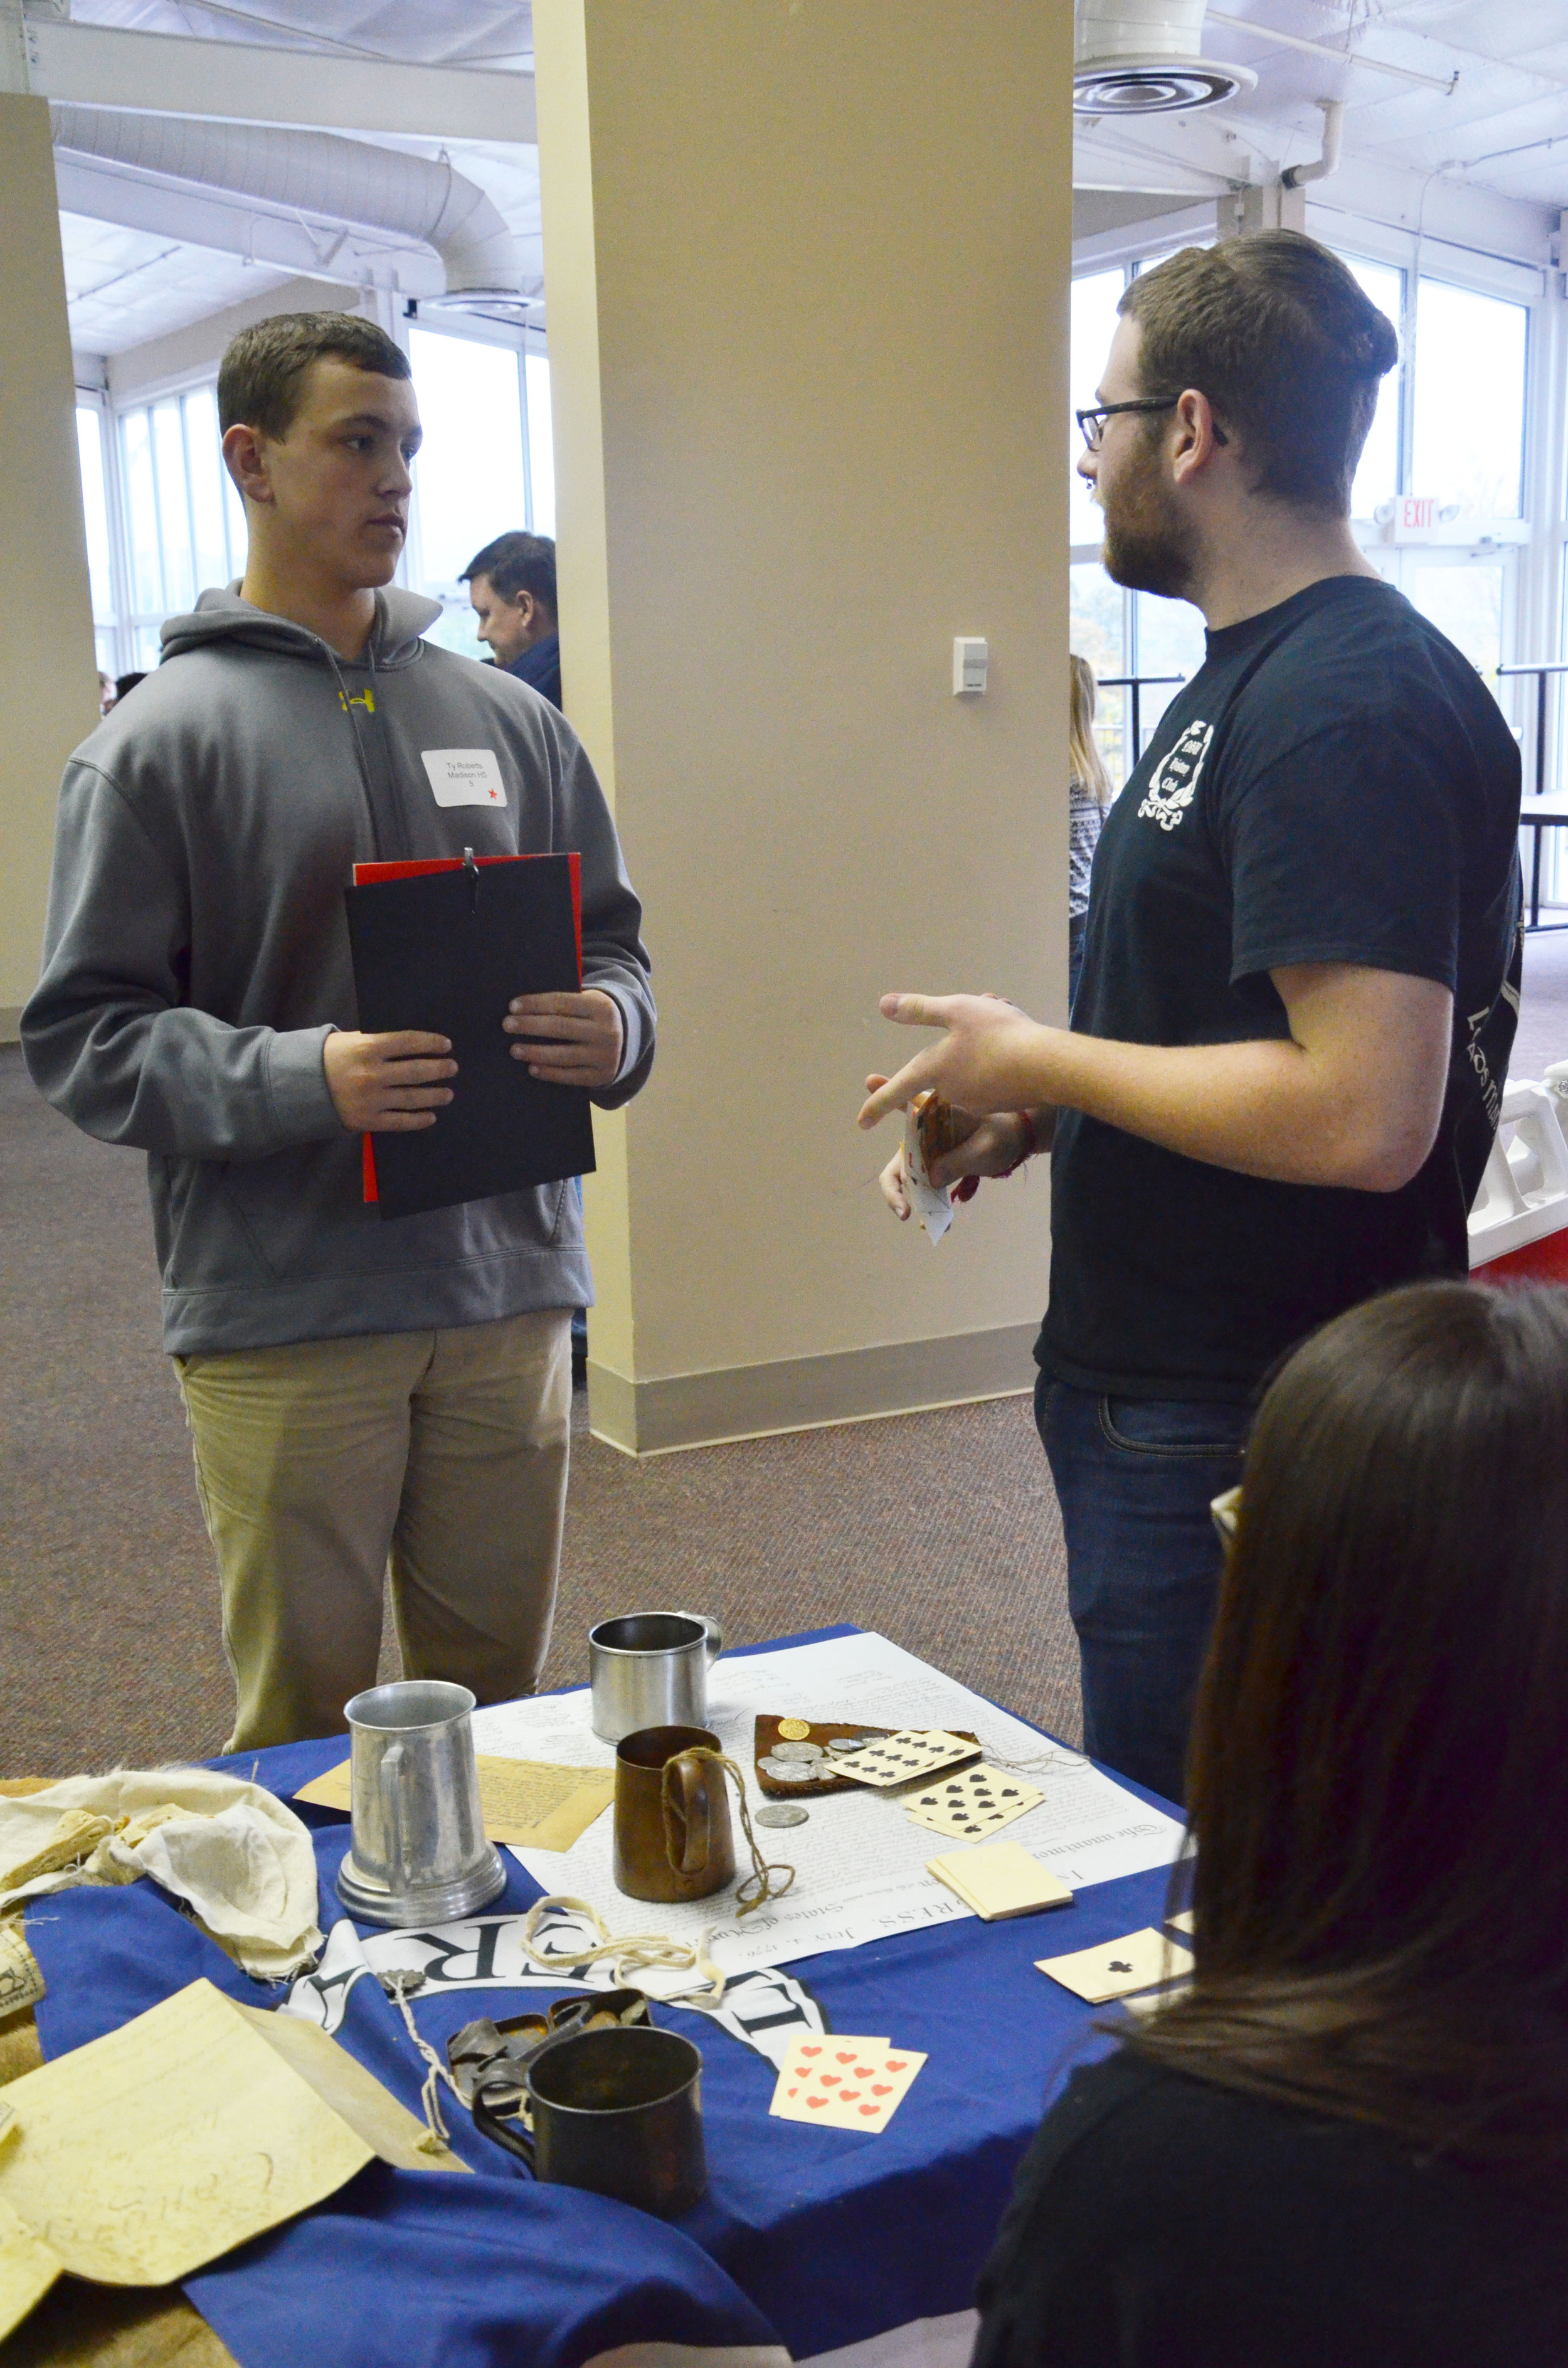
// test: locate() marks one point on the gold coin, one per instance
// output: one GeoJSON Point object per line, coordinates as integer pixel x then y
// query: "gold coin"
{"type": "Point", "coordinates": [795, 1729]}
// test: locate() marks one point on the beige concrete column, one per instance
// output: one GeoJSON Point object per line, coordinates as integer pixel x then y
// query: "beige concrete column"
{"type": "Point", "coordinates": [49, 693]}
{"type": "Point", "coordinates": [807, 268]}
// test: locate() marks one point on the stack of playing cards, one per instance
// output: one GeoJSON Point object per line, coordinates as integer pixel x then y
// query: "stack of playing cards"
{"type": "Point", "coordinates": [1000, 1879]}
{"type": "Point", "coordinates": [844, 2083]}
{"type": "Point", "coordinates": [1117, 1968]}
{"type": "Point", "coordinates": [898, 1759]}
{"type": "Point", "coordinates": [977, 1801]}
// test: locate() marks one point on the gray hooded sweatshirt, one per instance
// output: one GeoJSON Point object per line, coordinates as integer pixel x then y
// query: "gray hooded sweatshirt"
{"type": "Point", "coordinates": [196, 960]}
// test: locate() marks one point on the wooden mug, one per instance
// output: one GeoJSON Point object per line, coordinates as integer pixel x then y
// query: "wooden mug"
{"type": "Point", "coordinates": [672, 1839]}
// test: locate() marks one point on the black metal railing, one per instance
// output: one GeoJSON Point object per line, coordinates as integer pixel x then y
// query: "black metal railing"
{"type": "Point", "coordinates": [1540, 671]}
{"type": "Point", "coordinates": [1547, 667]}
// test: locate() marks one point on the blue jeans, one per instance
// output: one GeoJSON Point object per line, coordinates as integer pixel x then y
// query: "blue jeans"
{"type": "Point", "coordinates": [1134, 1478]}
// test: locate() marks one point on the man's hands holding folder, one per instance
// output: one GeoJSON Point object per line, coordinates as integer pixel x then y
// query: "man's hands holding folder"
{"type": "Point", "coordinates": [571, 1039]}
{"type": "Point", "coordinates": [396, 1084]}
{"type": "Point", "coordinates": [389, 1084]}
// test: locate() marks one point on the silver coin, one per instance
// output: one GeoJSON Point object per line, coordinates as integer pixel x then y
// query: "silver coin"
{"type": "Point", "coordinates": [788, 1772]}
{"type": "Point", "coordinates": [781, 1815]}
{"type": "Point", "coordinates": [797, 1751]}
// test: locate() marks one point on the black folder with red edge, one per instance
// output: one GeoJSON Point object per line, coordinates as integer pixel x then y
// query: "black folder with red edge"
{"type": "Point", "coordinates": [444, 945]}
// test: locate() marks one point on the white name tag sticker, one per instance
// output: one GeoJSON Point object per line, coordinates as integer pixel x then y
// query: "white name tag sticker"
{"type": "Point", "coordinates": [464, 776]}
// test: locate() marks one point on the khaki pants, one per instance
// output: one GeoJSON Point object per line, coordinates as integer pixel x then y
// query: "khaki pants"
{"type": "Point", "coordinates": [445, 1451]}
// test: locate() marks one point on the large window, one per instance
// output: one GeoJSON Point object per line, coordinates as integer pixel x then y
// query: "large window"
{"type": "Point", "coordinates": [1092, 327]}
{"type": "Point", "coordinates": [95, 515]}
{"type": "Point", "coordinates": [1470, 400]}
{"type": "Point", "coordinates": [1121, 635]}
{"type": "Point", "coordinates": [1378, 477]}
{"type": "Point", "coordinates": [1097, 624]}
{"type": "Point", "coordinates": [164, 522]}
{"type": "Point", "coordinates": [541, 442]}
{"type": "Point", "coordinates": [484, 466]}
{"type": "Point", "coordinates": [184, 527]}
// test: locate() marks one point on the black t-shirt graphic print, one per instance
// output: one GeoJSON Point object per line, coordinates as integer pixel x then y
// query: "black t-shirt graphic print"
{"type": "Point", "coordinates": [1336, 784]}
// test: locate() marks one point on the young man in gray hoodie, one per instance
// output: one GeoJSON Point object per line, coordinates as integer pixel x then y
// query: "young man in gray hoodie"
{"type": "Point", "coordinates": [358, 1390]}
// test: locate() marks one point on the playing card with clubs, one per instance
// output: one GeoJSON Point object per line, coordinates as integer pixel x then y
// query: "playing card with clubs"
{"type": "Point", "coordinates": [913, 1751]}
{"type": "Point", "coordinates": [973, 1803]}
{"type": "Point", "coordinates": [844, 2083]}
{"type": "Point", "coordinates": [1118, 1968]}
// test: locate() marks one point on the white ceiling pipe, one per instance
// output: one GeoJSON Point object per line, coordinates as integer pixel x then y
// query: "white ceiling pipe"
{"type": "Point", "coordinates": [1333, 126]}
{"type": "Point", "coordinates": [316, 173]}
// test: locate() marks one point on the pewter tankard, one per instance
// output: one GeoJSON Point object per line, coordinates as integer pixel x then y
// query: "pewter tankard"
{"type": "Point", "coordinates": [419, 1855]}
{"type": "Point", "coordinates": [649, 1668]}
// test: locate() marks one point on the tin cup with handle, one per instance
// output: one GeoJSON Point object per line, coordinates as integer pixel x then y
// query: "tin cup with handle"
{"type": "Point", "coordinates": [419, 1853]}
{"type": "Point", "coordinates": [617, 2110]}
{"type": "Point", "coordinates": [649, 1668]}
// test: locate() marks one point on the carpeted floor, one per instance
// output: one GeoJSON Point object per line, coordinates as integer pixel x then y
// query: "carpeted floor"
{"type": "Point", "coordinates": [940, 1530]}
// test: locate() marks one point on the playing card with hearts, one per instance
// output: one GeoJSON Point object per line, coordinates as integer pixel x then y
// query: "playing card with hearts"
{"type": "Point", "coordinates": [912, 1751]}
{"type": "Point", "coordinates": [975, 1802]}
{"type": "Point", "coordinates": [1117, 1968]}
{"type": "Point", "coordinates": [843, 2082]}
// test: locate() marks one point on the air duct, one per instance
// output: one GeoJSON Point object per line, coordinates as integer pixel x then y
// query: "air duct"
{"type": "Point", "coordinates": [315, 173]}
{"type": "Point", "coordinates": [1140, 57]}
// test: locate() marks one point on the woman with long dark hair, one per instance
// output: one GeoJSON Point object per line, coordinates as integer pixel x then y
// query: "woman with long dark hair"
{"type": "Point", "coordinates": [1347, 2142]}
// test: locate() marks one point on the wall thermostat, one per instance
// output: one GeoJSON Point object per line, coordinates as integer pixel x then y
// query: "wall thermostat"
{"type": "Point", "coordinates": [970, 657]}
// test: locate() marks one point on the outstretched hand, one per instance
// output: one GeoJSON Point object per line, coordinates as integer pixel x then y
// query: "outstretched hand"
{"type": "Point", "coordinates": [981, 1065]}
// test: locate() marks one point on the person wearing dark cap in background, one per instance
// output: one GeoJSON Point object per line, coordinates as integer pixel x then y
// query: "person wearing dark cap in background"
{"type": "Point", "coordinates": [511, 584]}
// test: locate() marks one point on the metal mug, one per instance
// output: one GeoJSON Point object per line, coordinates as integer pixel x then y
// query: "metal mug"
{"type": "Point", "coordinates": [618, 2112]}
{"type": "Point", "coordinates": [419, 1853]}
{"type": "Point", "coordinates": [672, 1816]}
{"type": "Point", "coordinates": [649, 1668]}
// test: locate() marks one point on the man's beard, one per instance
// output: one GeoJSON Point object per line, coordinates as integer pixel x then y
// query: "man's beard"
{"type": "Point", "coordinates": [1147, 546]}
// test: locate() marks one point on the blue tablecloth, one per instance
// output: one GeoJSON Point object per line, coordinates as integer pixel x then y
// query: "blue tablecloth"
{"type": "Point", "coordinates": [812, 2238]}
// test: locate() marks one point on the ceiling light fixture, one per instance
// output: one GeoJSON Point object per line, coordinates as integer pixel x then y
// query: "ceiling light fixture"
{"type": "Point", "coordinates": [1140, 57]}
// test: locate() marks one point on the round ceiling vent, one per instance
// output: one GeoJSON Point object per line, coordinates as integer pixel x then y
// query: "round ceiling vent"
{"type": "Point", "coordinates": [1154, 86]}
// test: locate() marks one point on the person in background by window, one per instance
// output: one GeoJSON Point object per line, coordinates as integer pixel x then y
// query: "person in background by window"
{"type": "Point", "coordinates": [107, 693]}
{"type": "Point", "coordinates": [1346, 2141]}
{"type": "Point", "coordinates": [128, 682]}
{"type": "Point", "coordinates": [1088, 794]}
{"type": "Point", "coordinates": [511, 584]}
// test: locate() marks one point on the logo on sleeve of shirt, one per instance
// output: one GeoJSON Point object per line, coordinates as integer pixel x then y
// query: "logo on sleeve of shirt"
{"type": "Point", "coordinates": [1174, 780]}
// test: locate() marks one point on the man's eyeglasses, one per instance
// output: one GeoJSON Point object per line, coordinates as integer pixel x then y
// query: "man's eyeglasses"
{"type": "Point", "coordinates": [1091, 423]}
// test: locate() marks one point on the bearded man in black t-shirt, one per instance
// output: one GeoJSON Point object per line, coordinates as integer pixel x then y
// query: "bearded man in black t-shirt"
{"type": "Point", "coordinates": [1301, 964]}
